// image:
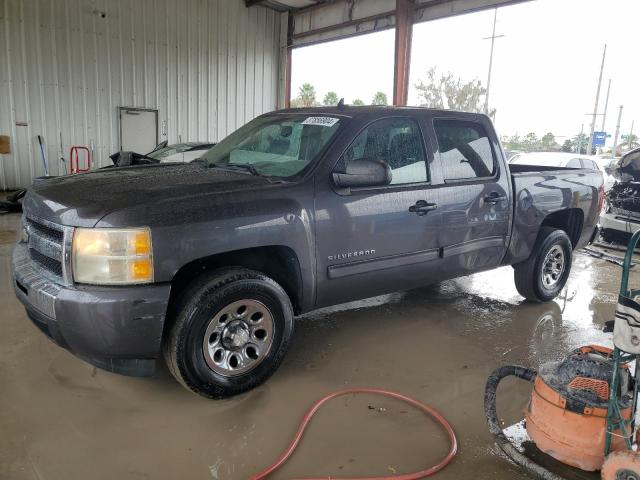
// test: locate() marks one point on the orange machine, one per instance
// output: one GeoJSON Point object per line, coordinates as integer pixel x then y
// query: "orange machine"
{"type": "Point", "coordinates": [583, 409]}
{"type": "Point", "coordinates": [567, 414]}
{"type": "Point", "coordinates": [579, 413]}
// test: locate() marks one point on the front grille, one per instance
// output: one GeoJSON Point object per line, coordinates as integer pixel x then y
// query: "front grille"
{"type": "Point", "coordinates": [47, 231]}
{"type": "Point", "coordinates": [51, 264]}
{"type": "Point", "coordinates": [625, 214]}
{"type": "Point", "coordinates": [46, 245]}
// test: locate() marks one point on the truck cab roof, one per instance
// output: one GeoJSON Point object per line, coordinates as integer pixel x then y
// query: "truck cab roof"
{"type": "Point", "coordinates": [377, 110]}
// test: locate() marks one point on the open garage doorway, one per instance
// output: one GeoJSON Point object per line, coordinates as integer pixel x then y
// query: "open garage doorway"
{"type": "Point", "coordinates": [358, 69]}
{"type": "Point", "coordinates": [544, 75]}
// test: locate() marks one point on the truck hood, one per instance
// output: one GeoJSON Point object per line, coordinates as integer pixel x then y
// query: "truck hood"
{"type": "Point", "coordinates": [628, 168]}
{"type": "Point", "coordinates": [82, 200]}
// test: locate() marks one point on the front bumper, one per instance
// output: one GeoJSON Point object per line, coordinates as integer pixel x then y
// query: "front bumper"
{"type": "Point", "coordinates": [611, 221]}
{"type": "Point", "coordinates": [118, 329]}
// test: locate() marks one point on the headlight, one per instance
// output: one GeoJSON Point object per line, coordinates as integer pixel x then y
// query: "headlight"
{"type": "Point", "coordinates": [112, 256]}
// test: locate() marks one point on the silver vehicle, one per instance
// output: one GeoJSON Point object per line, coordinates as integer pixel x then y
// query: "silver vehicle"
{"type": "Point", "coordinates": [621, 215]}
{"type": "Point", "coordinates": [564, 160]}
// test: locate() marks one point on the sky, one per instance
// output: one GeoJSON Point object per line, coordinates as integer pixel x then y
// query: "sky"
{"type": "Point", "coordinates": [545, 68]}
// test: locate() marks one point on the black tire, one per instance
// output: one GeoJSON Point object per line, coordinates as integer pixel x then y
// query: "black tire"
{"type": "Point", "coordinates": [192, 312]}
{"type": "Point", "coordinates": [528, 274]}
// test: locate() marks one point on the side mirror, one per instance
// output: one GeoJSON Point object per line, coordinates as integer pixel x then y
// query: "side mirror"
{"type": "Point", "coordinates": [363, 173]}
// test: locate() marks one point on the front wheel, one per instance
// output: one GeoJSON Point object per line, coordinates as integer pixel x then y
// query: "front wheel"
{"type": "Point", "coordinates": [231, 330]}
{"type": "Point", "coordinates": [544, 274]}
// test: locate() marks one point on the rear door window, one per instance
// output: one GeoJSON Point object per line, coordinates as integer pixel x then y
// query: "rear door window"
{"type": "Point", "coordinates": [575, 163]}
{"type": "Point", "coordinates": [465, 150]}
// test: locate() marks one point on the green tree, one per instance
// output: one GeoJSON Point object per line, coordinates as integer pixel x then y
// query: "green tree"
{"type": "Point", "coordinates": [630, 140]}
{"type": "Point", "coordinates": [567, 146]}
{"type": "Point", "coordinates": [530, 142]}
{"type": "Point", "coordinates": [306, 96]}
{"type": "Point", "coordinates": [512, 143]}
{"type": "Point", "coordinates": [380, 98]}
{"type": "Point", "coordinates": [580, 143]}
{"type": "Point", "coordinates": [331, 98]}
{"type": "Point", "coordinates": [357, 102]}
{"type": "Point", "coordinates": [445, 91]}
{"type": "Point", "coordinates": [548, 141]}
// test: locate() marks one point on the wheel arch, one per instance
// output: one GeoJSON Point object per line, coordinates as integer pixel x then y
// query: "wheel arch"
{"type": "Point", "coordinates": [570, 220]}
{"type": "Point", "coordinates": [276, 261]}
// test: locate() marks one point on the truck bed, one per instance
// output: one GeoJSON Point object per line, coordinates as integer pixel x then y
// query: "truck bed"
{"type": "Point", "coordinates": [539, 192]}
{"type": "Point", "coordinates": [519, 168]}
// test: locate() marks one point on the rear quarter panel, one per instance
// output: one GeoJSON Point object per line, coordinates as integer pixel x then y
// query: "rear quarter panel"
{"type": "Point", "coordinates": [539, 194]}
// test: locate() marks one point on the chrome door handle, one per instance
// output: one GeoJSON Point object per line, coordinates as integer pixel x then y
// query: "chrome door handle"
{"type": "Point", "coordinates": [422, 207]}
{"type": "Point", "coordinates": [495, 197]}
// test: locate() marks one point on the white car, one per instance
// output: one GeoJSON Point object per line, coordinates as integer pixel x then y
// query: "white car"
{"type": "Point", "coordinates": [621, 215]}
{"type": "Point", "coordinates": [565, 160]}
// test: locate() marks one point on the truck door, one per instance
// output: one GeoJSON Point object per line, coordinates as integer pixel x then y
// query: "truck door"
{"type": "Point", "coordinates": [373, 240]}
{"type": "Point", "coordinates": [475, 196]}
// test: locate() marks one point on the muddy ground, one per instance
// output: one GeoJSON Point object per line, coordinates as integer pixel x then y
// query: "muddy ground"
{"type": "Point", "coordinates": [63, 419]}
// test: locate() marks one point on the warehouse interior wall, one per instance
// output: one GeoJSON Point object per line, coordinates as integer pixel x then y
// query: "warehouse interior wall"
{"type": "Point", "coordinates": [66, 66]}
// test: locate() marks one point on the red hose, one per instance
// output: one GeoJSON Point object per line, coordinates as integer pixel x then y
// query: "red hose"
{"type": "Point", "coordinates": [406, 476]}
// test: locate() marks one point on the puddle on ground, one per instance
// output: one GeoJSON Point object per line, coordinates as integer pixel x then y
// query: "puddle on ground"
{"type": "Point", "coordinates": [437, 344]}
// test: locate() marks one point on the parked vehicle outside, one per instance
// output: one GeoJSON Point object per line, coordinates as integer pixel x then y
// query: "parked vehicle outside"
{"type": "Point", "coordinates": [207, 263]}
{"type": "Point", "coordinates": [565, 160]}
{"type": "Point", "coordinates": [621, 216]}
{"type": "Point", "coordinates": [512, 154]}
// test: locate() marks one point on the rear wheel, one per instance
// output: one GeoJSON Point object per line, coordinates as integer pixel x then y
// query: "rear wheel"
{"type": "Point", "coordinates": [544, 274]}
{"type": "Point", "coordinates": [231, 330]}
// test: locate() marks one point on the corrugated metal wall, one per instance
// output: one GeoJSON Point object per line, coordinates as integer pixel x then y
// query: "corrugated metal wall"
{"type": "Point", "coordinates": [66, 66]}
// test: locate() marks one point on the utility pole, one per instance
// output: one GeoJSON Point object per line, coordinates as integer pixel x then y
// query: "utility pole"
{"type": "Point", "coordinates": [630, 137]}
{"type": "Point", "coordinates": [606, 106]}
{"type": "Point", "coordinates": [615, 138]}
{"type": "Point", "coordinates": [595, 108]}
{"type": "Point", "coordinates": [493, 41]}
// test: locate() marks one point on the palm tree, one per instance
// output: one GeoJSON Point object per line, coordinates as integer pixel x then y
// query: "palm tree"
{"type": "Point", "coordinates": [307, 95]}
{"type": "Point", "coordinates": [380, 98]}
{"type": "Point", "coordinates": [331, 98]}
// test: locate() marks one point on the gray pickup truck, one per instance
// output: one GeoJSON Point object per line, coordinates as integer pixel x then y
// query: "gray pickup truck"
{"type": "Point", "coordinates": [207, 263]}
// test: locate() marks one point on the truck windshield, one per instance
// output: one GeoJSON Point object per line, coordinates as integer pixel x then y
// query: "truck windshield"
{"type": "Point", "coordinates": [275, 145]}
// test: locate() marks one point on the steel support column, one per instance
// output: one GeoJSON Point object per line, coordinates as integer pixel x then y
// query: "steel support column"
{"type": "Point", "coordinates": [404, 29]}
{"type": "Point", "coordinates": [287, 80]}
{"type": "Point", "coordinates": [287, 86]}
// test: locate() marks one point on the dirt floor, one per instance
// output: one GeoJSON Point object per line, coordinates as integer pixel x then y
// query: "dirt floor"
{"type": "Point", "coordinates": [63, 419]}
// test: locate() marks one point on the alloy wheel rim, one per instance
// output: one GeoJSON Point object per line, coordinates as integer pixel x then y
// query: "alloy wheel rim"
{"type": "Point", "coordinates": [553, 266]}
{"type": "Point", "coordinates": [238, 337]}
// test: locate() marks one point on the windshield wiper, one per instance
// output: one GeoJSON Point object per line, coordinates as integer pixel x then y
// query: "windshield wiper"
{"type": "Point", "coordinates": [238, 166]}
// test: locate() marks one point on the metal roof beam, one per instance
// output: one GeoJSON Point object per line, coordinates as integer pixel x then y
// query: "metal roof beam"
{"type": "Point", "coordinates": [340, 19]}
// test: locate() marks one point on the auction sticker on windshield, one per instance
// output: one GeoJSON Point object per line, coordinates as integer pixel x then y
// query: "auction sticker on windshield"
{"type": "Point", "coordinates": [322, 121]}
